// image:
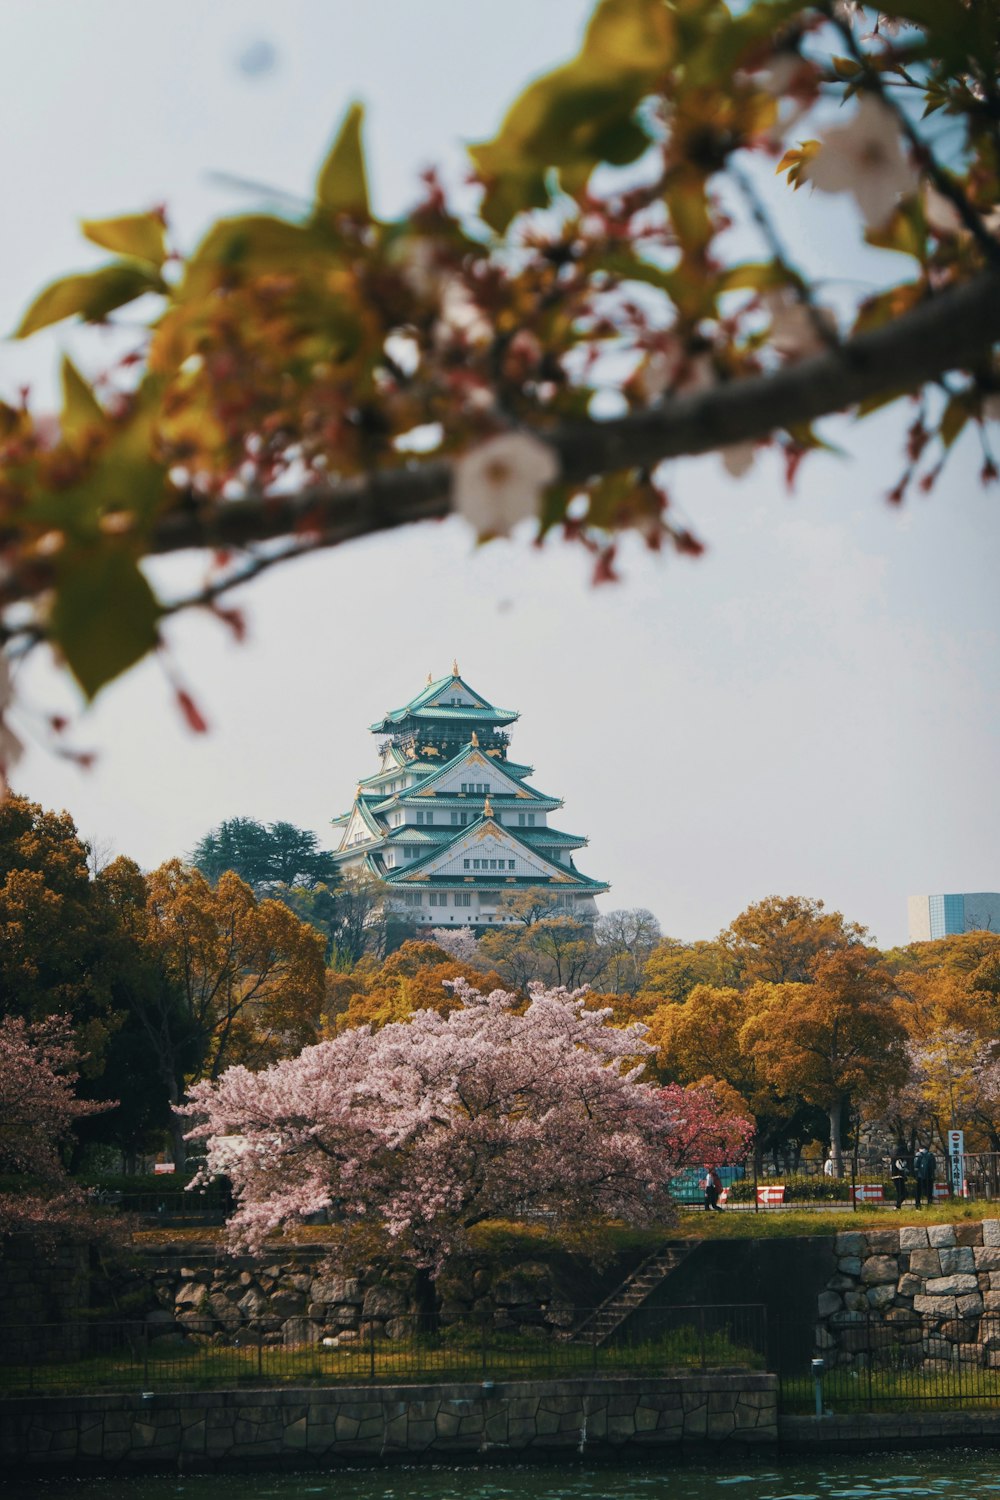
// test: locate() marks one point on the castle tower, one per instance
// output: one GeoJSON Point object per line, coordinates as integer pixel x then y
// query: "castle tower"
{"type": "Point", "coordinates": [450, 823]}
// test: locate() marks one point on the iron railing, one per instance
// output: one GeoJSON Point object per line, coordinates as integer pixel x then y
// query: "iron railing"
{"type": "Point", "coordinates": [868, 1364]}
{"type": "Point", "coordinates": [191, 1352]}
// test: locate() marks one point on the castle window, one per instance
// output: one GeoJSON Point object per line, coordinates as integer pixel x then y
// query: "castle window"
{"type": "Point", "coordinates": [465, 864]}
{"type": "Point", "coordinates": [510, 864]}
{"type": "Point", "coordinates": [463, 898]}
{"type": "Point", "coordinates": [438, 898]}
{"type": "Point", "coordinates": [413, 898]}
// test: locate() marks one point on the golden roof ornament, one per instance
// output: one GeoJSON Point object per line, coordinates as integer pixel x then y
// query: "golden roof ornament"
{"type": "Point", "coordinates": [487, 808]}
{"type": "Point", "coordinates": [430, 679]}
{"type": "Point", "coordinates": [454, 668]}
{"type": "Point", "coordinates": [475, 739]}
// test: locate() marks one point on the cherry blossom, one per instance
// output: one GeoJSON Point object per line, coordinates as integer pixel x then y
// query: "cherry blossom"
{"type": "Point", "coordinates": [421, 1130]}
{"type": "Point", "coordinates": [500, 482]}
{"type": "Point", "coordinates": [796, 330]}
{"type": "Point", "coordinates": [865, 157]}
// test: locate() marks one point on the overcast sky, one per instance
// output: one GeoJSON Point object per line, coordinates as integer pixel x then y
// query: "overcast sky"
{"type": "Point", "coordinates": [810, 708]}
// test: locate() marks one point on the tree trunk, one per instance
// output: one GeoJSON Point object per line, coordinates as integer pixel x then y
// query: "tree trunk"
{"type": "Point", "coordinates": [178, 1145]}
{"type": "Point", "coordinates": [836, 1143]}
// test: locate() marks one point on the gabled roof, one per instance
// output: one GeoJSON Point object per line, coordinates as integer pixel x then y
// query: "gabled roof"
{"type": "Point", "coordinates": [551, 836]}
{"type": "Point", "coordinates": [560, 874]}
{"type": "Point", "coordinates": [469, 749]}
{"type": "Point", "coordinates": [367, 817]}
{"type": "Point", "coordinates": [426, 706]}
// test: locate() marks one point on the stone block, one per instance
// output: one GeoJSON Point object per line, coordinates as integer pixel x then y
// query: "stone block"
{"type": "Point", "coordinates": [840, 1283]}
{"type": "Point", "coordinates": [913, 1238]}
{"type": "Point", "coordinates": [852, 1242]}
{"type": "Point", "coordinates": [925, 1263]}
{"type": "Point", "coordinates": [909, 1285]}
{"type": "Point", "coordinates": [958, 1260]}
{"type": "Point", "coordinates": [882, 1241]}
{"type": "Point", "coordinates": [935, 1307]}
{"type": "Point", "coordinates": [987, 1258]}
{"type": "Point", "coordinates": [991, 1300]}
{"type": "Point", "coordinates": [881, 1296]}
{"type": "Point", "coordinates": [951, 1286]}
{"type": "Point", "coordinates": [991, 1232]}
{"type": "Point", "coordinates": [880, 1268]}
{"type": "Point", "coordinates": [646, 1419]}
{"type": "Point", "coordinates": [383, 1302]}
{"type": "Point", "coordinates": [855, 1302]}
{"type": "Point", "coordinates": [827, 1303]}
{"type": "Point", "coordinates": [849, 1265]}
{"type": "Point", "coordinates": [969, 1306]}
{"type": "Point", "coordinates": [941, 1236]}
{"type": "Point", "coordinates": [969, 1234]}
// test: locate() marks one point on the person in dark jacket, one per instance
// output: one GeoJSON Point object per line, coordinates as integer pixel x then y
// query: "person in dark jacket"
{"type": "Point", "coordinates": [898, 1175]}
{"type": "Point", "coordinates": [924, 1169]}
{"type": "Point", "coordinates": [712, 1185]}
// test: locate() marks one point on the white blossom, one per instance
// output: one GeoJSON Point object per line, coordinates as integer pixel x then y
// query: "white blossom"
{"type": "Point", "coordinates": [795, 331]}
{"type": "Point", "coordinates": [462, 315]}
{"type": "Point", "coordinates": [500, 482]}
{"type": "Point", "coordinates": [865, 157]}
{"type": "Point", "coordinates": [737, 459]}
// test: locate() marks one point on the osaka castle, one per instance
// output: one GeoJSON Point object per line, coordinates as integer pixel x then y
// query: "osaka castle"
{"type": "Point", "coordinates": [451, 823]}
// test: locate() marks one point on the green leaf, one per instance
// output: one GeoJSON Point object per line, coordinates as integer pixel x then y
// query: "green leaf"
{"type": "Point", "coordinates": [342, 184]}
{"type": "Point", "coordinates": [91, 296]}
{"type": "Point", "coordinates": [580, 114]}
{"type": "Point", "coordinates": [956, 414]}
{"type": "Point", "coordinates": [104, 615]}
{"type": "Point", "coordinates": [754, 276]}
{"type": "Point", "coordinates": [140, 236]}
{"type": "Point", "coordinates": [81, 410]}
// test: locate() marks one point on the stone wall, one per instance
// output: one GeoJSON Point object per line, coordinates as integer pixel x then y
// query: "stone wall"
{"type": "Point", "coordinates": [270, 1428]}
{"type": "Point", "coordinates": [298, 1300]}
{"type": "Point", "coordinates": [926, 1294]}
{"type": "Point", "coordinates": [42, 1297]}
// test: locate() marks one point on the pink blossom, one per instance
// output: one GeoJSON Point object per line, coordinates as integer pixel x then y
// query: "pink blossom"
{"type": "Point", "coordinates": [425, 1128]}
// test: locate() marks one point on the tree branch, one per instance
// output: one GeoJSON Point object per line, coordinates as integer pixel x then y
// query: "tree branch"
{"type": "Point", "coordinates": [947, 331]}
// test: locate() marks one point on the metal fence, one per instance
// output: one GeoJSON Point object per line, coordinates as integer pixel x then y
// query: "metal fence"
{"type": "Point", "coordinates": [868, 1364]}
{"type": "Point", "coordinates": [195, 1353]}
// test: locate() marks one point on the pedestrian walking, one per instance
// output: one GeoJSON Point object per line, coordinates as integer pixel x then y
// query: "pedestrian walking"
{"type": "Point", "coordinates": [924, 1170]}
{"type": "Point", "coordinates": [898, 1175]}
{"type": "Point", "coordinates": [713, 1187]}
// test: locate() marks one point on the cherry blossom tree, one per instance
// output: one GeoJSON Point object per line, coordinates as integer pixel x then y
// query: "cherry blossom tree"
{"type": "Point", "coordinates": [419, 1131]}
{"type": "Point", "coordinates": [538, 354]}
{"type": "Point", "coordinates": [37, 1110]}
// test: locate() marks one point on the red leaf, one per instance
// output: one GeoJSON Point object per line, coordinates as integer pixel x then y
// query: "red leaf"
{"type": "Point", "coordinates": [604, 567]}
{"type": "Point", "coordinates": [192, 713]}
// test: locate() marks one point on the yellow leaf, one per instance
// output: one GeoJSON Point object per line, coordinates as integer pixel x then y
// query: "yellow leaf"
{"type": "Point", "coordinates": [81, 410]}
{"type": "Point", "coordinates": [137, 235]}
{"type": "Point", "coordinates": [90, 296]}
{"type": "Point", "coordinates": [342, 184]}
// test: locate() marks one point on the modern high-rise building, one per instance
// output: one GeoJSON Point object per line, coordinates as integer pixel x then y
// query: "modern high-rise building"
{"type": "Point", "coordinates": [450, 823]}
{"type": "Point", "coordinates": [940, 916]}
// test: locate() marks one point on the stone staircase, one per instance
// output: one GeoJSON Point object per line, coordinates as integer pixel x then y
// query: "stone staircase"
{"type": "Point", "coordinates": [599, 1325]}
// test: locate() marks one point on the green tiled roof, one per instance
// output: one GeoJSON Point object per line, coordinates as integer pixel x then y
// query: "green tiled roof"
{"type": "Point", "coordinates": [423, 707]}
{"type": "Point", "coordinates": [516, 836]}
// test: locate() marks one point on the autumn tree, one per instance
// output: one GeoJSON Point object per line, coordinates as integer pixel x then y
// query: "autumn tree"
{"type": "Point", "coordinates": [832, 1039]}
{"type": "Point", "coordinates": [58, 948]}
{"type": "Point", "coordinates": [673, 969]}
{"type": "Point", "coordinates": [232, 979]}
{"type": "Point", "coordinates": [418, 976]}
{"type": "Point", "coordinates": [701, 1040]}
{"type": "Point", "coordinates": [778, 940]}
{"type": "Point", "coordinates": [418, 1132]}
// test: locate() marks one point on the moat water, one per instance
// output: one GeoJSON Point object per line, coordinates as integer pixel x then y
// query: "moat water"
{"type": "Point", "coordinates": [951, 1475]}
